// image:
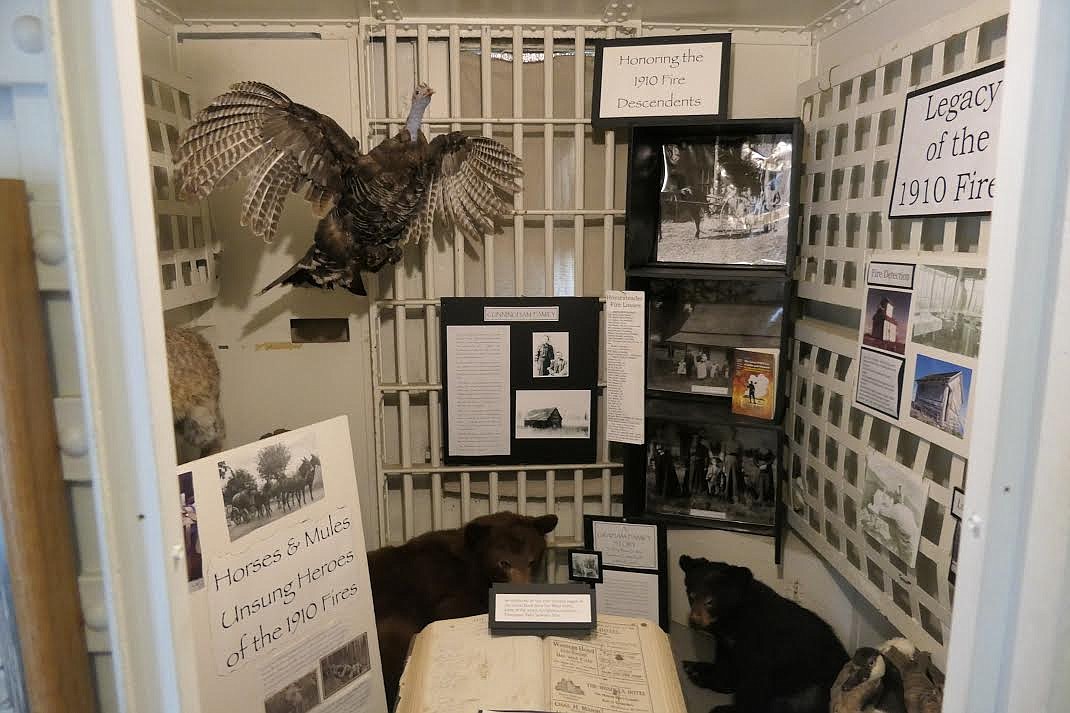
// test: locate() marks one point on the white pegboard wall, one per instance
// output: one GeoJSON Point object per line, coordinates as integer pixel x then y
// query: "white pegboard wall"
{"type": "Point", "coordinates": [852, 139]}
{"type": "Point", "coordinates": [829, 440]}
{"type": "Point", "coordinates": [852, 136]}
{"type": "Point", "coordinates": [188, 253]}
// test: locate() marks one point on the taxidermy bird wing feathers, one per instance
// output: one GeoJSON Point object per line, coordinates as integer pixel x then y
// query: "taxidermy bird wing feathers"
{"type": "Point", "coordinates": [469, 175]}
{"type": "Point", "coordinates": [369, 205]}
{"type": "Point", "coordinates": [256, 131]}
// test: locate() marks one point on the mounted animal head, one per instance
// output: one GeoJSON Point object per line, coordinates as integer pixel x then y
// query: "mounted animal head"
{"type": "Point", "coordinates": [507, 546]}
{"type": "Point", "coordinates": [715, 589]}
{"type": "Point", "coordinates": [421, 99]}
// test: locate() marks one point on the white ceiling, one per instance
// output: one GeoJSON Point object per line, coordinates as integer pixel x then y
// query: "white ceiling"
{"type": "Point", "coordinates": [727, 12]}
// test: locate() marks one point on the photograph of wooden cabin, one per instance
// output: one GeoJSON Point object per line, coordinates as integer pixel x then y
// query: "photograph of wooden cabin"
{"type": "Point", "coordinates": [553, 413]}
{"type": "Point", "coordinates": [941, 394]}
{"type": "Point", "coordinates": [694, 325]}
{"type": "Point", "coordinates": [543, 418]}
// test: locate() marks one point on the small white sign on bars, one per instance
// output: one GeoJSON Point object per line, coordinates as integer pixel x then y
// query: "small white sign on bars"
{"type": "Point", "coordinates": [947, 148]}
{"type": "Point", "coordinates": [660, 80]}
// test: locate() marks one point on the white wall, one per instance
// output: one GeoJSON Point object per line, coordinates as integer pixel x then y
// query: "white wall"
{"type": "Point", "coordinates": [887, 23]}
{"type": "Point", "coordinates": [29, 151]}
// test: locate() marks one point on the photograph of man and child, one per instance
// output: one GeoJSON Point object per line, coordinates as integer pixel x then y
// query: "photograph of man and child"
{"type": "Point", "coordinates": [711, 470]}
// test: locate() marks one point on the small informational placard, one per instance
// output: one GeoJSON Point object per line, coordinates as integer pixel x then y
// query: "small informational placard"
{"type": "Point", "coordinates": [625, 329]}
{"type": "Point", "coordinates": [634, 575]}
{"type": "Point", "coordinates": [678, 79]}
{"type": "Point", "coordinates": [541, 608]}
{"type": "Point", "coordinates": [947, 149]}
{"type": "Point", "coordinates": [890, 274]}
{"type": "Point", "coordinates": [277, 572]}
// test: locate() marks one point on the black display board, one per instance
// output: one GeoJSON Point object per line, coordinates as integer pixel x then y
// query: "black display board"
{"type": "Point", "coordinates": [578, 317]}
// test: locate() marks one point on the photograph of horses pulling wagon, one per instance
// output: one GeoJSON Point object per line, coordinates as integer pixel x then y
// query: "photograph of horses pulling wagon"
{"type": "Point", "coordinates": [725, 201]}
{"type": "Point", "coordinates": [281, 478]}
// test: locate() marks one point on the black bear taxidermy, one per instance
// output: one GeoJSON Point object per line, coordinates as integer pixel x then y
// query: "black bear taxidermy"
{"type": "Point", "coordinates": [447, 574]}
{"type": "Point", "coordinates": [774, 655]}
{"type": "Point", "coordinates": [369, 204]}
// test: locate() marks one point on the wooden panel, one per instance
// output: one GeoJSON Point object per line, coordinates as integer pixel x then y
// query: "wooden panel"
{"type": "Point", "coordinates": [33, 497]}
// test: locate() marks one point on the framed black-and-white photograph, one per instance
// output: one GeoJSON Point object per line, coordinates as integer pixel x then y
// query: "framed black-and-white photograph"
{"type": "Point", "coordinates": [553, 413]}
{"type": "Point", "coordinates": [550, 350]}
{"type": "Point", "coordinates": [958, 500]}
{"type": "Point", "coordinates": [720, 195]}
{"type": "Point", "coordinates": [694, 324]}
{"type": "Point", "coordinates": [726, 201]}
{"type": "Point", "coordinates": [700, 469]}
{"type": "Point", "coordinates": [662, 80]}
{"type": "Point", "coordinates": [585, 565]}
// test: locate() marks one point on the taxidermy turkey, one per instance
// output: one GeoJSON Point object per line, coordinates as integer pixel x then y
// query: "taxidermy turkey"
{"type": "Point", "coordinates": [369, 204]}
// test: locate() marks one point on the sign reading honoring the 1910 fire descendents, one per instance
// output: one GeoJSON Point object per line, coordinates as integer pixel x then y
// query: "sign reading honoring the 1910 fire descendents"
{"type": "Point", "coordinates": [947, 149]}
{"type": "Point", "coordinates": [678, 79]}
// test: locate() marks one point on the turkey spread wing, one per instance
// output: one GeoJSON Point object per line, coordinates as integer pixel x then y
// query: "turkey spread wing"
{"type": "Point", "coordinates": [256, 131]}
{"type": "Point", "coordinates": [470, 178]}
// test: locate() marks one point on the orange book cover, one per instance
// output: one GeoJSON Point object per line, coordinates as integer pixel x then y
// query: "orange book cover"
{"type": "Point", "coordinates": [754, 382]}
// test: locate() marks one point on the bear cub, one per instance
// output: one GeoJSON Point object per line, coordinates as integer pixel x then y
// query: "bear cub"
{"type": "Point", "coordinates": [774, 655]}
{"type": "Point", "coordinates": [446, 574]}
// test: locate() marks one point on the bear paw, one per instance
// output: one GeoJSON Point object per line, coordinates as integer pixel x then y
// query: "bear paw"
{"type": "Point", "coordinates": [699, 672]}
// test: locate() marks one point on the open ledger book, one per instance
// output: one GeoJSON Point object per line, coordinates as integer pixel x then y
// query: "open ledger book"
{"type": "Point", "coordinates": [625, 666]}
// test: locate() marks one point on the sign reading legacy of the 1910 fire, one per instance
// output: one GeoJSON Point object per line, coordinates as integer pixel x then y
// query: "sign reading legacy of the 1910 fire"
{"type": "Point", "coordinates": [947, 149]}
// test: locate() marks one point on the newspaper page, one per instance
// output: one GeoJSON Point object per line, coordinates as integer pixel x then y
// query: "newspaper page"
{"type": "Point", "coordinates": [464, 669]}
{"type": "Point", "coordinates": [606, 673]}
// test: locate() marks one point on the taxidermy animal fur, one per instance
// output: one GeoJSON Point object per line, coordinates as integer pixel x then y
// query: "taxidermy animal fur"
{"type": "Point", "coordinates": [446, 574]}
{"type": "Point", "coordinates": [369, 204]}
{"type": "Point", "coordinates": [774, 655]}
{"type": "Point", "coordinates": [194, 376]}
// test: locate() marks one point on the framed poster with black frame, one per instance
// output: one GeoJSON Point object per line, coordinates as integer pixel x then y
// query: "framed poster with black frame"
{"type": "Point", "coordinates": [662, 80]}
{"type": "Point", "coordinates": [519, 379]}
{"type": "Point", "coordinates": [635, 579]}
{"type": "Point", "coordinates": [694, 324]}
{"type": "Point", "coordinates": [724, 194]}
{"type": "Point", "coordinates": [712, 214]}
{"type": "Point", "coordinates": [703, 466]}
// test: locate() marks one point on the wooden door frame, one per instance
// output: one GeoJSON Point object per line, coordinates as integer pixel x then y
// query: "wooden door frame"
{"type": "Point", "coordinates": [37, 528]}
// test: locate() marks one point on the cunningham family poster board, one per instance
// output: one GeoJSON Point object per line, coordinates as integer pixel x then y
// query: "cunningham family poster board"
{"type": "Point", "coordinates": [277, 572]}
{"type": "Point", "coordinates": [519, 379]}
{"type": "Point", "coordinates": [919, 338]}
{"type": "Point", "coordinates": [676, 79]}
{"type": "Point", "coordinates": [947, 149]}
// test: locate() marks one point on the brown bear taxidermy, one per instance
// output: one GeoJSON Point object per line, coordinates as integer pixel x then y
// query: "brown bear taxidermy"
{"type": "Point", "coordinates": [446, 574]}
{"type": "Point", "coordinates": [194, 375]}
